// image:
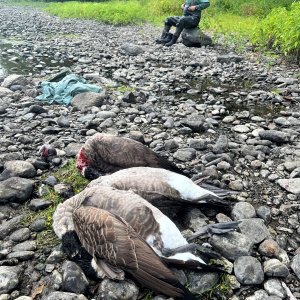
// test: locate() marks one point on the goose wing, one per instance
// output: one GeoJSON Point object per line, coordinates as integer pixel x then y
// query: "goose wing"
{"type": "Point", "coordinates": [109, 237]}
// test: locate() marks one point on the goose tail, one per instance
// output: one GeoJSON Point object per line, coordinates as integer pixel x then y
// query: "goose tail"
{"type": "Point", "coordinates": [156, 275]}
{"type": "Point", "coordinates": [221, 193]}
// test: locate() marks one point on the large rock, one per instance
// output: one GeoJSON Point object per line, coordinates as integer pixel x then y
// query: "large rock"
{"type": "Point", "coordinates": [274, 136]}
{"type": "Point", "coordinates": [7, 227]}
{"type": "Point", "coordinates": [121, 290]}
{"type": "Point", "coordinates": [14, 80]}
{"type": "Point", "coordinates": [15, 189]}
{"type": "Point", "coordinates": [89, 99]}
{"type": "Point", "coordinates": [202, 282]}
{"type": "Point", "coordinates": [232, 245]}
{"type": "Point", "coordinates": [20, 168]}
{"type": "Point", "coordinates": [74, 279]}
{"type": "Point", "coordinates": [194, 37]}
{"type": "Point", "coordinates": [131, 49]}
{"type": "Point", "coordinates": [296, 265]}
{"type": "Point", "coordinates": [248, 270]}
{"type": "Point", "coordinates": [9, 278]}
{"type": "Point", "coordinates": [292, 185]}
{"type": "Point", "coordinates": [5, 92]}
{"type": "Point", "coordinates": [255, 229]}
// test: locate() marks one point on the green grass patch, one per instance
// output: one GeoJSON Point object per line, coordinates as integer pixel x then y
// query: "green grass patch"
{"type": "Point", "coordinates": [67, 174]}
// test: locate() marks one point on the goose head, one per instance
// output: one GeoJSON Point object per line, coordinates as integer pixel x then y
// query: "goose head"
{"type": "Point", "coordinates": [47, 151]}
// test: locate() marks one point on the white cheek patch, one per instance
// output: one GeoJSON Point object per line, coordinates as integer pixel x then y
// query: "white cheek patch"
{"type": "Point", "coordinates": [99, 272]}
{"type": "Point", "coordinates": [187, 188]}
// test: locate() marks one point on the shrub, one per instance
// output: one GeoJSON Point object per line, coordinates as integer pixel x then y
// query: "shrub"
{"type": "Point", "coordinates": [280, 30]}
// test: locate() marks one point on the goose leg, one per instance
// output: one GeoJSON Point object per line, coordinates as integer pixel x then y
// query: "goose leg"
{"type": "Point", "coordinates": [218, 228]}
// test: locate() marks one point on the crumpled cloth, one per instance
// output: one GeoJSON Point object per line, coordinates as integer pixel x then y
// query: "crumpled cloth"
{"type": "Point", "coordinates": [64, 90]}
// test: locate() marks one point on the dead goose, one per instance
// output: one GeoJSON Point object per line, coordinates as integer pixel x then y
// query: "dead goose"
{"type": "Point", "coordinates": [116, 247]}
{"type": "Point", "coordinates": [149, 222]}
{"type": "Point", "coordinates": [157, 185]}
{"type": "Point", "coordinates": [104, 153]}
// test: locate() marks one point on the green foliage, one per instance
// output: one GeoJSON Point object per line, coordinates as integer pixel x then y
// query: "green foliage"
{"type": "Point", "coordinates": [280, 30]}
{"type": "Point", "coordinates": [249, 7]}
{"type": "Point", "coordinates": [67, 174]}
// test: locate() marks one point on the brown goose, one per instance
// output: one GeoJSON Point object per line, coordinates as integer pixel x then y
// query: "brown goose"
{"type": "Point", "coordinates": [114, 244]}
{"type": "Point", "coordinates": [149, 222]}
{"type": "Point", "coordinates": [156, 184]}
{"type": "Point", "coordinates": [103, 153]}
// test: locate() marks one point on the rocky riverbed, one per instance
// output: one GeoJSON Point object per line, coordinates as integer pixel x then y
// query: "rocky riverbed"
{"type": "Point", "coordinates": [214, 113]}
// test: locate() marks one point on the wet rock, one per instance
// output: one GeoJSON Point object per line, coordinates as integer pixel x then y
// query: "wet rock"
{"type": "Point", "coordinates": [83, 101]}
{"type": "Point", "coordinates": [9, 278]}
{"type": "Point", "coordinates": [255, 229]}
{"type": "Point", "coordinates": [15, 189]}
{"type": "Point", "coordinates": [243, 210]}
{"type": "Point", "coordinates": [124, 290]}
{"type": "Point", "coordinates": [248, 270]}
{"type": "Point", "coordinates": [74, 279]}
{"type": "Point", "coordinates": [232, 245]}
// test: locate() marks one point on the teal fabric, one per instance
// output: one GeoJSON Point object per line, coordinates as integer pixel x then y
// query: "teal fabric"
{"type": "Point", "coordinates": [63, 91]}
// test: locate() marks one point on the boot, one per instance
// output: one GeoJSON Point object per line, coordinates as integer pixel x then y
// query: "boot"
{"type": "Point", "coordinates": [175, 37]}
{"type": "Point", "coordinates": [167, 39]}
{"type": "Point", "coordinates": [173, 41]}
{"type": "Point", "coordinates": [163, 34]}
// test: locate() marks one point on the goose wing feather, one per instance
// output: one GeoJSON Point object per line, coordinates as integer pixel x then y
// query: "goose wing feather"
{"type": "Point", "coordinates": [109, 237]}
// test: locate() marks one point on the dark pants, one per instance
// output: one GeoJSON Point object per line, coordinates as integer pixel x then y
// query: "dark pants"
{"type": "Point", "coordinates": [182, 22]}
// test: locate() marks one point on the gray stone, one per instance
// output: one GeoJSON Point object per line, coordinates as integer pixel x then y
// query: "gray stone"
{"type": "Point", "coordinates": [198, 144]}
{"type": "Point", "coordinates": [122, 290]}
{"type": "Point", "coordinates": [21, 255]}
{"type": "Point", "coordinates": [39, 204]}
{"type": "Point", "coordinates": [74, 280]}
{"type": "Point", "coordinates": [37, 109]}
{"type": "Point", "coordinates": [275, 288]}
{"type": "Point", "coordinates": [9, 278]}
{"type": "Point", "coordinates": [19, 168]}
{"type": "Point", "coordinates": [85, 100]}
{"type": "Point", "coordinates": [243, 210]}
{"type": "Point", "coordinates": [264, 212]}
{"type": "Point", "coordinates": [232, 245]}
{"type": "Point", "coordinates": [131, 49]}
{"type": "Point", "coordinates": [275, 268]}
{"type": "Point", "coordinates": [255, 229]}
{"type": "Point", "coordinates": [291, 165]}
{"type": "Point", "coordinates": [14, 79]}
{"type": "Point", "coordinates": [194, 37]}
{"type": "Point", "coordinates": [65, 190]}
{"type": "Point", "coordinates": [25, 246]}
{"type": "Point", "coordinates": [5, 92]}
{"type": "Point", "coordinates": [72, 149]}
{"type": "Point", "coordinates": [296, 265]}
{"type": "Point", "coordinates": [196, 123]}
{"type": "Point", "coordinates": [248, 270]}
{"type": "Point", "coordinates": [186, 154]}
{"type": "Point", "coordinates": [8, 226]}
{"type": "Point", "coordinates": [259, 295]}
{"type": "Point", "coordinates": [202, 282]}
{"type": "Point", "coordinates": [229, 58]}
{"type": "Point", "coordinates": [292, 185]}
{"type": "Point", "coordinates": [20, 235]}
{"type": "Point", "coordinates": [16, 189]}
{"type": "Point", "coordinates": [64, 296]}
{"type": "Point", "coordinates": [274, 136]}
{"type": "Point", "coordinates": [241, 128]}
